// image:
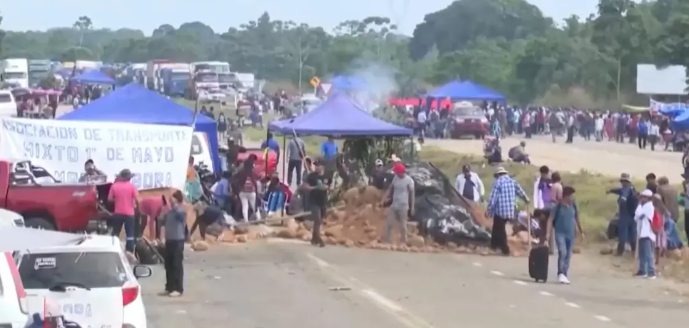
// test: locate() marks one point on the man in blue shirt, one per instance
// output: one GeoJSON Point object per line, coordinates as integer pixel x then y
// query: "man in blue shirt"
{"type": "Point", "coordinates": [329, 149]}
{"type": "Point", "coordinates": [642, 129]}
{"type": "Point", "coordinates": [221, 193]}
{"type": "Point", "coordinates": [501, 205]}
{"type": "Point", "coordinates": [626, 202]}
{"type": "Point", "coordinates": [271, 144]}
{"type": "Point", "coordinates": [564, 220]}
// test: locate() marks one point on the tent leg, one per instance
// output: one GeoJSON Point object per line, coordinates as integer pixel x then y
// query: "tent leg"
{"type": "Point", "coordinates": [284, 151]}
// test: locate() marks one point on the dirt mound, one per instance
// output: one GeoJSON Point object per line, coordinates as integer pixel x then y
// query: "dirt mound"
{"type": "Point", "coordinates": [359, 221]}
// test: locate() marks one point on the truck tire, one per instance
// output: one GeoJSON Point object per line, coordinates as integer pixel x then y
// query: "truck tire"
{"type": "Point", "coordinates": [38, 223]}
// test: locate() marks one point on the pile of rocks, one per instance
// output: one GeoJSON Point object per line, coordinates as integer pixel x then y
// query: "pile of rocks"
{"type": "Point", "coordinates": [359, 221]}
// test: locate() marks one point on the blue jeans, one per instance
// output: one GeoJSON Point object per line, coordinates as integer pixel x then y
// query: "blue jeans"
{"type": "Point", "coordinates": [646, 262]}
{"type": "Point", "coordinates": [119, 220]}
{"type": "Point", "coordinates": [564, 242]}
{"type": "Point", "coordinates": [627, 234]}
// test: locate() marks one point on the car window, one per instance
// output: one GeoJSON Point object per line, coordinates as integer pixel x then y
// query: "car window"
{"type": "Point", "coordinates": [196, 148]}
{"type": "Point", "coordinates": [5, 98]}
{"type": "Point", "coordinates": [468, 111]}
{"type": "Point", "coordinates": [89, 270]}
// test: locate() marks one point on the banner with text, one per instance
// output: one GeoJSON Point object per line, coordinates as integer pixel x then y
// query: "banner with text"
{"type": "Point", "coordinates": [157, 155]}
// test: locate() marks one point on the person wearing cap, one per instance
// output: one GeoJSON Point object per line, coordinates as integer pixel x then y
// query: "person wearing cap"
{"type": "Point", "coordinates": [92, 174]}
{"type": "Point", "coordinates": [316, 186]}
{"type": "Point", "coordinates": [469, 185]}
{"type": "Point", "coordinates": [501, 206]}
{"type": "Point", "coordinates": [378, 176]}
{"type": "Point", "coordinates": [401, 197]}
{"type": "Point", "coordinates": [627, 203]}
{"type": "Point", "coordinates": [563, 221]}
{"type": "Point", "coordinates": [643, 215]}
{"type": "Point", "coordinates": [125, 198]}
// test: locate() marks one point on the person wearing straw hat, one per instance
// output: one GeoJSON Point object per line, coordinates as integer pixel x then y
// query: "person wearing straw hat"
{"type": "Point", "coordinates": [501, 206]}
{"type": "Point", "coordinates": [125, 197]}
{"type": "Point", "coordinates": [644, 217]}
{"type": "Point", "coordinates": [626, 202]}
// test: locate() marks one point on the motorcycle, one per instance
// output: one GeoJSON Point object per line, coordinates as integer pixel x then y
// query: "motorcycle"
{"type": "Point", "coordinates": [207, 179]}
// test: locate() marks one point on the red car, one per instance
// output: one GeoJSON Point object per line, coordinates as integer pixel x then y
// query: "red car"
{"type": "Point", "coordinates": [468, 120]}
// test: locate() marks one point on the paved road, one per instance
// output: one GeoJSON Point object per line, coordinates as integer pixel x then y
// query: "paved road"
{"type": "Point", "coordinates": [266, 284]}
{"type": "Point", "coordinates": [608, 158]}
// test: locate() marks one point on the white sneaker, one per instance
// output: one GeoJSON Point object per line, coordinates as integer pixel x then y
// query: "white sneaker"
{"type": "Point", "coordinates": [561, 278]}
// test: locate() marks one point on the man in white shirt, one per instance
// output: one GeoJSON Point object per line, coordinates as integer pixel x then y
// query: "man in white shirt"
{"type": "Point", "coordinates": [598, 128]}
{"type": "Point", "coordinates": [421, 120]}
{"type": "Point", "coordinates": [653, 134]}
{"type": "Point", "coordinates": [469, 185]}
{"type": "Point", "coordinates": [644, 218]}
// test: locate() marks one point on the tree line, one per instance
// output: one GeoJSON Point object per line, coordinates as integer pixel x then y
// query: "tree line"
{"type": "Point", "coordinates": [508, 45]}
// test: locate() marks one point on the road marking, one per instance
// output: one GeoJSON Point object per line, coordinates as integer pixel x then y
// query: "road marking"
{"type": "Point", "coordinates": [476, 264]}
{"type": "Point", "coordinates": [544, 293]}
{"type": "Point", "coordinates": [382, 300]}
{"type": "Point", "coordinates": [572, 305]}
{"type": "Point", "coordinates": [406, 318]}
{"type": "Point", "coordinates": [497, 273]}
{"type": "Point", "coordinates": [519, 282]}
{"type": "Point", "coordinates": [284, 241]}
{"type": "Point", "coordinates": [318, 261]}
{"type": "Point", "coordinates": [602, 318]}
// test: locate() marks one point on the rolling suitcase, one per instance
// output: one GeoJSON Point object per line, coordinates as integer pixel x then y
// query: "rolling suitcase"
{"type": "Point", "coordinates": [538, 263]}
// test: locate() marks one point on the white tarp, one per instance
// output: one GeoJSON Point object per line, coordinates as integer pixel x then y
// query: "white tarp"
{"type": "Point", "coordinates": [157, 155]}
{"type": "Point", "coordinates": [670, 80]}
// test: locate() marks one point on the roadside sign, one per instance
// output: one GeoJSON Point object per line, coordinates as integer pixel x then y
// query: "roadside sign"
{"type": "Point", "coordinates": [315, 81]}
{"type": "Point", "coordinates": [326, 87]}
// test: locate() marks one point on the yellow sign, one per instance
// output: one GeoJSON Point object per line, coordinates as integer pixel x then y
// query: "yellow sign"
{"type": "Point", "coordinates": [315, 82]}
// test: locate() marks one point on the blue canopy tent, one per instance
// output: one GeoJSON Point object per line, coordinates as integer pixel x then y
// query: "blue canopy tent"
{"type": "Point", "coordinates": [136, 104]}
{"type": "Point", "coordinates": [466, 90]}
{"type": "Point", "coordinates": [94, 76]}
{"type": "Point", "coordinates": [338, 116]}
{"type": "Point", "coordinates": [348, 83]}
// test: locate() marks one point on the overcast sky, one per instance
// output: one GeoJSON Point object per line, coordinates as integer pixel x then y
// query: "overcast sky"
{"type": "Point", "coordinates": [146, 15]}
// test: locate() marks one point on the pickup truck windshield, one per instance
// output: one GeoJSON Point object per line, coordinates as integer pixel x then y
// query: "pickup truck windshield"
{"type": "Point", "coordinates": [86, 270]}
{"type": "Point", "coordinates": [14, 75]}
{"type": "Point", "coordinates": [206, 77]}
{"type": "Point", "coordinates": [227, 78]}
{"type": "Point", "coordinates": [180, 76]}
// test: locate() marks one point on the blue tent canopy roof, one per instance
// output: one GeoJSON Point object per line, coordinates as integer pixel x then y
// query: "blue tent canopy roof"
{"type": "Point", "coordinates": [136, 104]}
{"type": "Point", "coordinates": [467, 90]}
{"type": "Point", "coordinates": [94, 76]}
{"type": "Point", "coordinates": [339, 116]}
{"type": "Point", "coordinates": [348, 83]}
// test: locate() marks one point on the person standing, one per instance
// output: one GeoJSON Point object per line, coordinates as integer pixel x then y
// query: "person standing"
{"type": "Point", "coordinates": [598, 123]}
{"type": "Point", "coordinates": [653, 134]}
{"type": "Point", "coordinates": [469, 185]}
{"type": "Point", "coordinates": [642, 130]}
{"type": "Point", "coordinates": [316, 186]}
{"type": "Point", "coordinates": [247, 184]}
{"type": "Point", "coordinates": [627, 203]}
{"type": "Point", "coordinates": [295, 152]}
{"type": "Point", "coordinates": [329, 152]}
{"type": "Point", "coordinates": [271, 144]}
{"type": "Point", "coordinates": [643, 216]}
{"type": "Point", "coordinates": [125, 198]}
{"type": "Point", "coordinates": [222, 125]}
{"type": "Point", "coordinates": [501, 206]}
{"type": "Point", "coordinates": [570, 128]}
{"type": "Point", "coordinates": [564, 221]}
{"type": "Point", "coordinates": [401, 198]}
{"type": "Point", "coordinates": [92, 174]}
{"type": "Point", "coordinates": [175, 235]}
{"type": "Point", "coordinates": [668, 195]}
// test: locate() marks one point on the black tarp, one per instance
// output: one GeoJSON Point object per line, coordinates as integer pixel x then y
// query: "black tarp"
{"type": "Point", "coordinates": [440, 211]}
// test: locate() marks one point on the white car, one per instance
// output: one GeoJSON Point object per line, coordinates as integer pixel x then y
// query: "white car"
{"type": "Point", "coordinates": [13, 302]}
{"type": "Point", "coordinates": [10, 219]}
{"type": "Point", "coordinates": [8, 105]}
{"type": "Point", "coordinates": [91, 282]}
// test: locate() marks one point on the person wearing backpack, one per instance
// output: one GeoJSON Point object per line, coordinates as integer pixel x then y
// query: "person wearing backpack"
{"type": "Point", "coordinates": [627, 203]}
{"type": "Point", "coordinates": [644, 220]}
{"type": "Point", "coordinates": [564, 222]}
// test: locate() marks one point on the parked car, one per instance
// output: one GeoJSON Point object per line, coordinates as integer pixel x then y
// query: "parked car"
{"type": "Point", "coordinates": [13, 302]}
{"type": "Point", "coordinates": [90, 279]}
